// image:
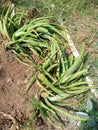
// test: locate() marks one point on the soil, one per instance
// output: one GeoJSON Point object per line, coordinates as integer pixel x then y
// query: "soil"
{"type": "Point", "coordinates": [12, 83]}
{"type": "Point", "coordinates": [13, 80]}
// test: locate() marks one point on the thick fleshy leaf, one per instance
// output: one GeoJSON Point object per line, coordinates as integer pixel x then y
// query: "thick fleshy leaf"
{"type": "Point", "coordinates": [82, 115]}
{"type": "Point", "coordinates": [90, 106]}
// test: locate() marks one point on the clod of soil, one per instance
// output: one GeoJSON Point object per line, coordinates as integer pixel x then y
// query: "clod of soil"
{"type": "Point", "coordinates": [7, 122]}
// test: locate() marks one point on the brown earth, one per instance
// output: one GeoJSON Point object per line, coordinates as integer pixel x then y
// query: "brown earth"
{"type": "Point", "coordinates": [13, 79]}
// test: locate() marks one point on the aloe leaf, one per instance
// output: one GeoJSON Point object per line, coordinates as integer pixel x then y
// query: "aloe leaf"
{"type": "Point", "coordinates": [49, 84]}
{"type": "Point", "coordinates": [90, 106]}
{"type": "Point", "coordinates": [47, 108]}
{"type": "Point", "coordinates": [74, 67]}
{"type": "Point", "coordinates": [60, 97]}
{"type": "Point", "coordinates": [82, 115]}
{"type": "Point", "coordinates": [29, 85]}
{"type": "Point", "coordinates": [63, 112]}
{"type": "Point", "coordinates": [55, 121]}
{"type": "Point", "coordinates": [72, 85]}
{"type": "Point", "coordinates": [43, 88]}
{"type": "Point", "coordinates": [55, 30]}
{"type": "Point", "coordinates": [68, 103]}
{"type": "Point", "coordinates": [16, 56]}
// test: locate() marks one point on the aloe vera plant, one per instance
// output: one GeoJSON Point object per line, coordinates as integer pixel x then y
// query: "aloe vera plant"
{"type": "Point", "coordinates": [34, 38]}
{"type": "Point", "coordinates": [59, 76]}
{"type": "Point", "coordinates": [10, 21]}
{"type": "Point", "coordinates": [54, 95]}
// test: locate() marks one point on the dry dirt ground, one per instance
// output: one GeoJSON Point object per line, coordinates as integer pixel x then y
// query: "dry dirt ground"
{"type": "Point", "coordinates": [13, 79]}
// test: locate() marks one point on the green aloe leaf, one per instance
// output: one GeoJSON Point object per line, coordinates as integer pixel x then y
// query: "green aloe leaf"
{"type": "Point", "coordinates": [90, 106]}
